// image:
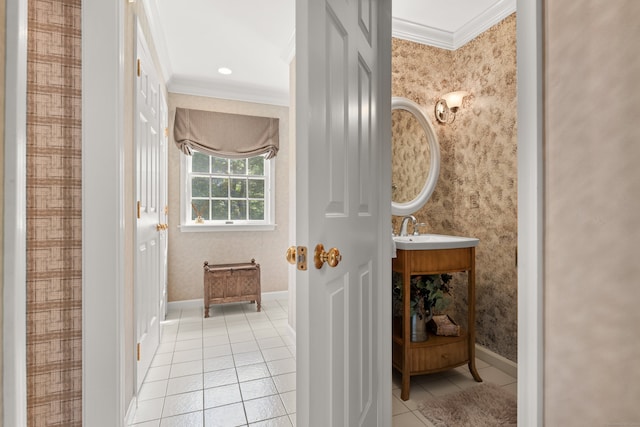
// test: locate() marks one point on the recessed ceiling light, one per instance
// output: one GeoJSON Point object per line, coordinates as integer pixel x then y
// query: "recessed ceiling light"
{"type": "Point", "coordinates": [224, 70]}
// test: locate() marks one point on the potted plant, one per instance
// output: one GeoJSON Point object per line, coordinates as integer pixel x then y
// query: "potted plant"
{"type": "Point", "coordinates": [428, 295]}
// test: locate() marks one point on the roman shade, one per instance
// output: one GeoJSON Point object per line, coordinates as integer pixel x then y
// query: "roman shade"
{"type": "Point", "coordinates": [225, 135]}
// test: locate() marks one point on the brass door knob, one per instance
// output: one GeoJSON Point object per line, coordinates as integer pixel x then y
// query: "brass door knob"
{"type": "Point", "coordinates": [332, 257]}
{"type": "Point", "coordinates": [297, 255]}
{"type": "Point", "coordinates": [291, 255]}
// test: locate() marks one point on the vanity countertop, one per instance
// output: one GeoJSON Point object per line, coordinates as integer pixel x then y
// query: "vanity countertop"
{"type": "Point", "coordinates": [433, 241]}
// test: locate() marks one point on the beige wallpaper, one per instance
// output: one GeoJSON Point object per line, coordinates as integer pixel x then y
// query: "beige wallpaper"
{"type": "Point", "coordinates": [54, 214]}
{"type": "Point", "coordinates": [476, 194]}
{"type": "Point", "coordinates": [188, 251]}
{"type": "Point", "coordinates": [592, 213]}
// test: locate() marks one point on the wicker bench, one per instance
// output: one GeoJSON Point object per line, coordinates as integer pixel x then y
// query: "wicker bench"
{"type": "Point", "coordinates": [231, 283]}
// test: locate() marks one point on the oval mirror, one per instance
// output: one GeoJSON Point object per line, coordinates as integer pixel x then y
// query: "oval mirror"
{"type": "Point", "coordinates": [415, 157]}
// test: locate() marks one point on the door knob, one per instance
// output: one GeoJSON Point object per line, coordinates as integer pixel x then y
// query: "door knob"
{"type": "Point", "coordinates": [291, 255]}
{"type": "Point", "coordinates": [332, 257]}
{"type": "Point", "coordinates": [297, 255]}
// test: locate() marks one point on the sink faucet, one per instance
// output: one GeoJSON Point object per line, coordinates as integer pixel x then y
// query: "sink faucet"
{"type": "Point", "coordinates": [403, 226]}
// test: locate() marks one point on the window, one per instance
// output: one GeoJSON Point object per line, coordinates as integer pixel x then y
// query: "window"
{"type": "Point", "coordinates": [227, 194]}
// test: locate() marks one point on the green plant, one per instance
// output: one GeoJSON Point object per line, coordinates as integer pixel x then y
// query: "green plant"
{"type": "Point", "coordinates": [428, 294]}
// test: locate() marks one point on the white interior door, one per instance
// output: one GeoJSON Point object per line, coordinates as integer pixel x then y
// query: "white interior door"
{"type": "Point", "coordinates": [147, 245]}
{"type": "Point", "coordinates": [343, 100]}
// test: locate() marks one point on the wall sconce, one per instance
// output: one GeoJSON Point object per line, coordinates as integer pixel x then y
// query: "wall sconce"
{"type": "Point", "coordinates": [448, 105]}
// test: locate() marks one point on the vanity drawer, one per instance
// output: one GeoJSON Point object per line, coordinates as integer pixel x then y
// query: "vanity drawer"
{"type": "Point", "coordinates": [433, 358]}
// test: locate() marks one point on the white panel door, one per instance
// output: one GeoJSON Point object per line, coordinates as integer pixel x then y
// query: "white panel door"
{"type": "Point", "coordinates": [148, 140]}
{"type": "Point", "coordinates": [340, 92]}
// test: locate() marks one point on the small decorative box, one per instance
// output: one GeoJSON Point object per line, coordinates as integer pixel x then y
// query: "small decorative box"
{"type": "Point", "coordinates": [445, 326]}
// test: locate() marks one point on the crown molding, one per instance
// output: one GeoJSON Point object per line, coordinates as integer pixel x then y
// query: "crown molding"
{"type": "Point", "coordinates": [226, 90]}
{"type": "Point", "coordinates": [157, 37]}
{"type": "Point", "coordinates": [483, 22]}
{"type": "Point", "coordinates": [423, 34]}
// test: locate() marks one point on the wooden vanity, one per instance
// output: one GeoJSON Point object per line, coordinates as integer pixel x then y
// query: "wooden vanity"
{"type": "Point", "coordinates": [438, 353]}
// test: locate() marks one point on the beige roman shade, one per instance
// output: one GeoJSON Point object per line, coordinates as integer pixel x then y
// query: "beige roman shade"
{"type": "Point", "coordinates": [225, 135]}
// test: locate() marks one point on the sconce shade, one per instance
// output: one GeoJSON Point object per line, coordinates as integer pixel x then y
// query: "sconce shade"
{"type": "Point", "coordinates": [448, 105]}
{"type": "Point", "coordinates": [454, 99]}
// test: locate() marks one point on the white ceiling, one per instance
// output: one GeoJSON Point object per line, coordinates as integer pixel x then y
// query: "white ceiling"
{"type": "Point", "coordinates": [256, 39]}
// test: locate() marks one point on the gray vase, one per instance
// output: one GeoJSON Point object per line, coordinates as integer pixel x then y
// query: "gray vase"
{"type": "Point", "coordinates": [419, 327]}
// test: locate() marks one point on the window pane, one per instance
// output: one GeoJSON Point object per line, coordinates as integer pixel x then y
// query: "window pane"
{"type": "Point", "coordinates": [220, 210]}
{"type": "Point", "coordinates": [219, 187]}
{"type": "Point", "coordinates": [256, 166]}
{"type": "Point", "coordinates": [200, 207]}
{"type": "Point", "coordinates": [219, 165]}
{"type": "Point", "coordinates": [200, 186]}
{"type": "Point", "coordinates": [216, 196]}
{"type": "Point", "coordinates": [238, 209]}
{"type": "Point", "coordinates": [238, 188]}
{"type": "Point", "coordinates": [239, 167]}
{"type": "Point", "coordinates": [256, 188]}
{"type": "Point", "coordinates": [199, 162]}
{"type": "Point", "coordinates": [256, 209]}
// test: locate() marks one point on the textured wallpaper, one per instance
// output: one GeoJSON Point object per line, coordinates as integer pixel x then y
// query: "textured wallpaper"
{"type": "Point", "coordinates": [54, 209]}
{"type": "Point", "coordinates": [476, 194]}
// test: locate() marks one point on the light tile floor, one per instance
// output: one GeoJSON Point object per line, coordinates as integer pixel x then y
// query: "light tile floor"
{"type": "Point", "coordinates": [237, 368]}
{"type": "Point", "coordinates": [406, 414]}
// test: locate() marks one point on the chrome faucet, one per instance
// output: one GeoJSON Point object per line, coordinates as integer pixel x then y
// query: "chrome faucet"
{"type": "Point", "coordinates": [403, 226]}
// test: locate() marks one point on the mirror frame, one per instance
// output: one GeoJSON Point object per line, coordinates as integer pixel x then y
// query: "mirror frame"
{"type": "Point", "coordinates": [412, 206]}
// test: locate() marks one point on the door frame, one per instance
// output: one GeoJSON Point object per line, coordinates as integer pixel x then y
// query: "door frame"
{"type": "Point", "coordinates": [103, 219]}
{"type": "Point", "coordinates": [530, 87]}
{"type": "Point", "coordinates": [14, 322]}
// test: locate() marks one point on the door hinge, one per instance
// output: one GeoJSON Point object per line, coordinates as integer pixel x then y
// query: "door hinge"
{"type": "Point", "coordinates": [166, 209]}
{"type": "Point", "coordinates": [166, 132]}
{"type": "Point", "coordinates": [138, 208]}
{"type": "Point", "coordinates": [138, 352]}
{"type": "Point", "coordinates": [139, 66]}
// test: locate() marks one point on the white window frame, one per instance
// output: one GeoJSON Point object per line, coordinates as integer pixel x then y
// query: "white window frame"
{"type": "Point", "coordinates": [189, 225]}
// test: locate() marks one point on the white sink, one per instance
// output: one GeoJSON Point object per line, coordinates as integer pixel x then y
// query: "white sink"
{"type": "Point", "coordinates": [434, 241]}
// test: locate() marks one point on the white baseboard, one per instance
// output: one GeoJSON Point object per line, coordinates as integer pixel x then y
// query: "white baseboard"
{"type": "Point", "coordinates": [184, 304]}
{"type": "Point", "coordinates": [195, 303]}
{"type": "Point", "coordinates": [494, 359]}
{"type": "Point", "coordinates": [270, 296]}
